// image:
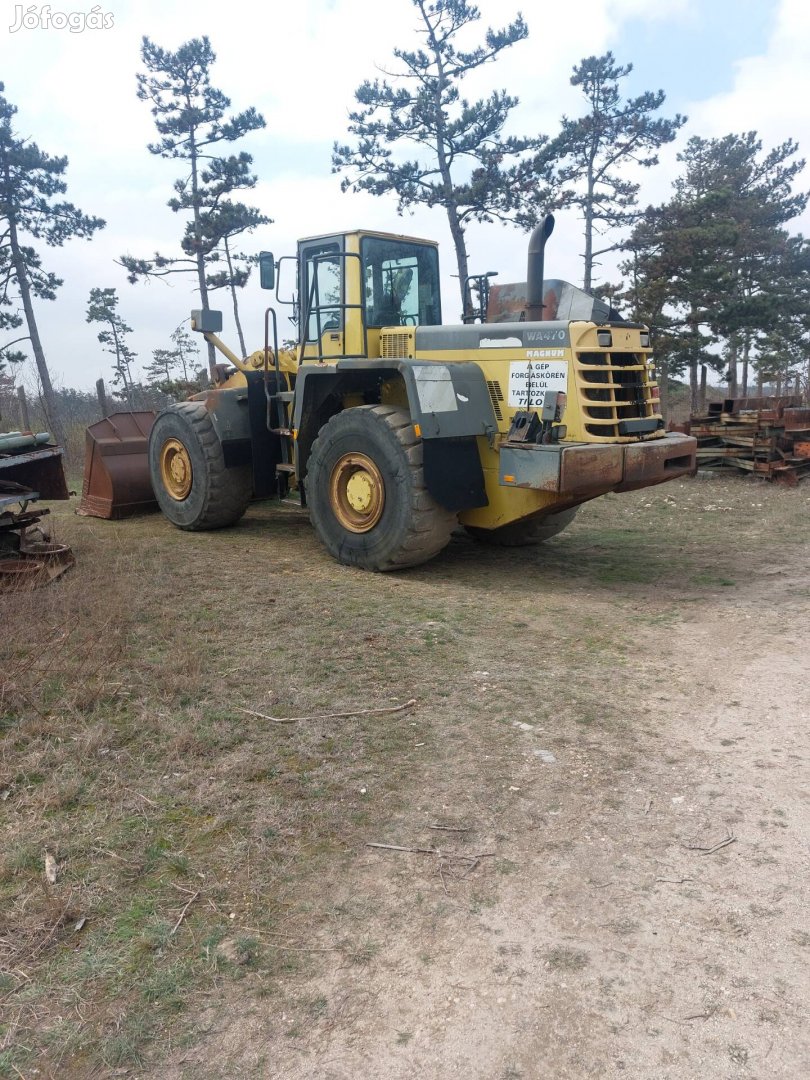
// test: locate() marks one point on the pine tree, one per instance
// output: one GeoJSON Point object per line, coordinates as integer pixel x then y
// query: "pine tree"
{"type": "Point", "coordinates": [228, 222]}
{"type": "Point", "coordinates": [186, 351]}
{"type": "Point", "coordinates": [784, 350]}
{"type": "Point", "coordinates": [752, 198]}
{"type": "Point", "coordinates": [159, 372]}
{"type": "Point", "coordinates": [722, 268]}
{"type": "Point", "coordinates": [30, 182]}
{"type": "Point", "coordinates": [591, 152]}
{"type": "Point", "coordinates": [190, 117]}
{"type": "Point", "coordinates": [676, 284]}
{"type": "Point", "coordinates": [461, 152]}
{"type": "Point", "coordinates": [10, 319]}
{"type": "Point", "coordinates": [102, 307]}
{"type": "Point", "coordinates": [168, 370]}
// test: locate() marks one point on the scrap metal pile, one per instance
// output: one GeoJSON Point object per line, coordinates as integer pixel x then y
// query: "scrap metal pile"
{"type": "Point", "coordinates": [767, 436]}
{"type": "Point", "coordinates": [30, 469]}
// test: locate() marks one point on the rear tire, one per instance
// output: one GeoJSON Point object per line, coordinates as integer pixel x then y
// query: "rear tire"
{"type": "Point", "coordinates": [525, 533]}
{"type": "Point", "coordinates": [193, 487]}
{"type": "Point", "coordinates": [366, 491]}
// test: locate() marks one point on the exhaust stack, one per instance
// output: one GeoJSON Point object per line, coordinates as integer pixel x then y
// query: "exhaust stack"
{"type": "Point", "coordinates": [534, 273]}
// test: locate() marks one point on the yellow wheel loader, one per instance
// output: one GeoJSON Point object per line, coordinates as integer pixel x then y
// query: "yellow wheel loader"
{"type": "Point", "coordinates": [394, 429]}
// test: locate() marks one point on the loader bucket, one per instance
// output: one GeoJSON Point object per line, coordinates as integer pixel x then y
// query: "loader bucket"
{"type": "Point", "coordinates": [116, 467]}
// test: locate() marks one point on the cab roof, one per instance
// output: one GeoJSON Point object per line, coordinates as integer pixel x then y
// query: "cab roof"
{"type": "Point", "coordinates": [369, 232]}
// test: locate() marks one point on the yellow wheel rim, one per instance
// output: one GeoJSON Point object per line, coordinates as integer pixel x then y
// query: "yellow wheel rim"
{"type": "Point", "coordinates": [175, 469]}
{"type": "Point", "coordinates": [357, 493]}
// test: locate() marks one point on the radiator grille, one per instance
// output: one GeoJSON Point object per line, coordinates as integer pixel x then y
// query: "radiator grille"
{"type": "Point", "coordinates": [613, 386]}
{"type": "Point", "coordinates": [496, 395]}
{"type": "Point", "coordinates": [396, 344]}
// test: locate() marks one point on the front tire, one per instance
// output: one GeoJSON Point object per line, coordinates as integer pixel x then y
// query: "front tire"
{"type": "Point", "coordinates": [525, 533]}
{"type": "Point", "coordinates": [366, 491]}
{"type": "Point", "coordinates": [193, 487]}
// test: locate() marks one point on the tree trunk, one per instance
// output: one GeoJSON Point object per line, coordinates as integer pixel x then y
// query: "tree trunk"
{"type": "Point", "coordinates": [703, 388]}
{"type": "Point", "coordinates": [745, 358]}
{"type": "Point", "coordinates": [102, 397]}
{"type": "Point", "coordinates": [693, 386]}
{"type": "Point", "coordinates": [587, 277]}
{"type": "Point", "coordinates": [457, 232]}
{"type": "Point", "coordinates": [121, 365]}
{"type": "Point", "coordinates": [449, 201]}
{"type": "Point", "coordinates": [25, 419]}
{"type": "Point", "coordinates": [732, 368]}
{"type": "Point", "coordinates": [48, 397]}
{"type": "Point", "coordinates": [201, 282]}
{"type": "Point", "coordinates": [183, 362]}
{"type": "Point", "coordinates": [663, 388]}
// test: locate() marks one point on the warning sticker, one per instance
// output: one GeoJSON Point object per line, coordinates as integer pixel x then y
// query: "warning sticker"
{"type": "Point", "coordinates": [530, 380]}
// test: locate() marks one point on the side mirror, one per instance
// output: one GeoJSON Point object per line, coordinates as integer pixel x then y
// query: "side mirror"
{"type": "Point", "coordinates": [267, 270]}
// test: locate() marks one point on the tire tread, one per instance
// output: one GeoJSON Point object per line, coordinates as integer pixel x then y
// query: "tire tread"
{"type": "Point", "coordinates": [227, 492]}
{"type": "Point", "coordinates": [430, 525]}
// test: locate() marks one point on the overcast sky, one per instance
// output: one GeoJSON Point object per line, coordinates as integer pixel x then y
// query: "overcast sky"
{"type": "Point", "coordinates": [729, 65]}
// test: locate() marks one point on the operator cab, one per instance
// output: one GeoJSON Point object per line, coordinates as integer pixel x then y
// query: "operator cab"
{"type": "Point", "coordinates": [352, 285]}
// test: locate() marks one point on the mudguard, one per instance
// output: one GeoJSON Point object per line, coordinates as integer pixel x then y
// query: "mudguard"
{"type": "Point", "coordinates": [449, 405]}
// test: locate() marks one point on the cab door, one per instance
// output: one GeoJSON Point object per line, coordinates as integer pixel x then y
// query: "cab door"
{"type": "Point", "coordinates": [322, 292]}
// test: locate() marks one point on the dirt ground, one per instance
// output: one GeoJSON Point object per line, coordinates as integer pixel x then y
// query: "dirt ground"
{"type": "Point", "coordinates": [601, 783]}
{"type": "Point", "coordinates": [600, 937]}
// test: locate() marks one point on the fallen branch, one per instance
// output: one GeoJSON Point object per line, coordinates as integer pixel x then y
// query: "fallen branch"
{"type": "Point", "coordinates": [475, 859]}
{"type": "Point", "coordinates": [327, 716]}
{"type": "Point", "coordinates": [451, 828]}
{"type": "Point", "coordinates": [146, 799]}
{"type": "Point", "coordinates": [675, 880]}
{"type": "Point", "coordinates": [292, 948]}
{"type": "Point", "coordinates": [441, 877]}
{"type": "Point", "coordinates": [729, 839]}
{"type": "Point", "coordinates": [176, 926]}
{"type": "Point", "coordinates": [723, 843]}
{"type": "Point", "coordinates": [413, 850]}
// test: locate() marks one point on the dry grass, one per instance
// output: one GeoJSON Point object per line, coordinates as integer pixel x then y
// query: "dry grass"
{"type": "Point", "coordinates": [126, 755]}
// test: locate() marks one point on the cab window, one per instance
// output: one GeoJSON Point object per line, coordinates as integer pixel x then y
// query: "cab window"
{"type": "Point", "coordinates": [401, 283]}
{"type": "Point", "coordinates": [322, 289]}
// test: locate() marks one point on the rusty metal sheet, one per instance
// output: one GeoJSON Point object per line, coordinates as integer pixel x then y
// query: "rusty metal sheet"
{"type": "Point", "coordinates": [26, 574]}
{"type": "Point", "coordinates": [574, 469]}
{"type": "Point", "coordinates": [39, 470]}
{"type": "Point", "coordinates": [797, 419]}
{"type": "Point", "coordinates": [658, 460]}
{"type": "Point", "coordinates": [116, 467]}
{"type": "Point", "coordinates": [588, 470]}
{"type": "Point", "coordinates": [767, 436]}
{"type": "Point", "coordinates": [775, 405]}
{"type": "Point", "coordinates": [29, 559]}
{"type": "Point", "coordinates": [591, 469]}
{"type": "Point", "coordinates": [530, 466]}
{"type": "Point", "coordinates": [507, 303]}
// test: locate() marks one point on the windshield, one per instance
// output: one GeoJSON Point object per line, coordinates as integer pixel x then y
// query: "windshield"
{"type": "Point", "coordinates": [401, 283]}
